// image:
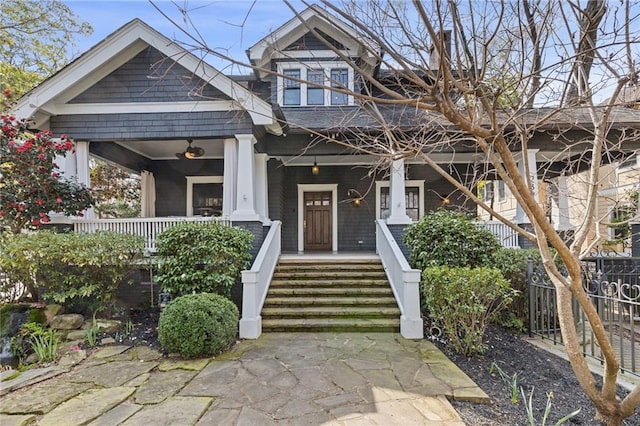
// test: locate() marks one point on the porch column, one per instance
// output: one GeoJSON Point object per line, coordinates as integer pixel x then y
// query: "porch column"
{"type": "Point", "coordinates": [261, 186]}
{"type": "Point", "coordinates": [229, 184]}
{"type": "Point", "coordinates": [398, 205]}
{"type": "Point", "coordinates": [564, 220]}
{"type": "Point", "coordinates": [245, 210]}
{"type": "Point", "coordinates": [530, 158]}
{"type": "Point", "coordinates": [82, 170]}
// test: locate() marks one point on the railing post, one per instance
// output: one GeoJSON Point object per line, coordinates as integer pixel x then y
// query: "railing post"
{"type": "Point", "coordinates": [531, 292]}
{"type": "Point", "coordinates": [411, 326]}
{"type": "Point", "coordinates": [251, 322]}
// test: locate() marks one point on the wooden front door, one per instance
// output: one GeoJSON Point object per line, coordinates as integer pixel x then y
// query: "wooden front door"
{"type": "Point", "coordinates": [317, 221]}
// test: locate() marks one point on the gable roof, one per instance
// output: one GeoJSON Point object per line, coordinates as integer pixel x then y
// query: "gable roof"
{"type": "Point", "coordinates": [115, 50]}
{"type": "Point", "coordinates": [261, 53]}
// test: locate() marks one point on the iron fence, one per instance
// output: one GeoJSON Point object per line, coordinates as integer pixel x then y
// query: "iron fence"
{"type": "Point", "coordinates": [613, 284]}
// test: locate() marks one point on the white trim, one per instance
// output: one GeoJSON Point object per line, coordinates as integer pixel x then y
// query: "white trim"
{"type": "Point", "coordinates": [407, 184]}
{"type": "Point", "coordinates": [306, 54]}
{"type": "Point", "coordinates": [120, 47]}
{"type": "Point", "coordinates": [326, 67]}
{"type": "Point", "coordinates": [142, 107]}
{"type": "Point", "coordinates": [302, 188]}
{"type": "Point", "coordinates": [198, 179]}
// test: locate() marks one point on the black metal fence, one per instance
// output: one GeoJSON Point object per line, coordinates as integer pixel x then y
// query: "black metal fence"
{"type": "Point", "coordinates": [613, 284]}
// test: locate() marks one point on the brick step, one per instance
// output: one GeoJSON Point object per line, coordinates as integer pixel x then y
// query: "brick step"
{"type": "Point", "coordinates": [324, 291]}
{"type": "Point", "coordinates": [330, 274]}
{"type": "Point", "coordinates": [368, 283]}
{"type": "Point", "coordinates": [331, 324]}
{"type": "Point", "coordinates": [330, 312]}
{"type": "Point", "coordinates": [329, 301]}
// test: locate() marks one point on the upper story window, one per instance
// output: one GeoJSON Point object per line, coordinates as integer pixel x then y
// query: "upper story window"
{"type": "Point", "coordinates": [314, 83]}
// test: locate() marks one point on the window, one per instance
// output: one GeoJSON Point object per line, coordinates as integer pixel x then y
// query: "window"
{"type": "Point", "coordinates": [327, 74]}
{"type": "Point", "coordinates": [340, 79]}
{"type": "Point", "coordinates": [502, 192]}
{"type": "Point", "coordinates": [620, 216]}
{"type": "Point", "coordinates": [487, 191]}
{"type": "Point", "coordinates": [413, 198]}
{"type": "Point", "coordinates": [292, 88]}
{"type": "Point", "coordinates": [204, 195]}
{"type": "Point", "coordinates": [315, 95]}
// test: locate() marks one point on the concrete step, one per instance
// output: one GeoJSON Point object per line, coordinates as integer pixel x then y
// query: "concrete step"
{"type": "Point", "coordinates": [329, 301]}
{"type": "Point", "coordinates": [293, 261]}
{"type": "Point", "coordinates": [377, 267]}
{"type": "Point", "coordinates": [330, 312]}
{"type": "Point", "coordinates": [364, 283]}
{"type": "Point", "coordinates": [331, 324]}
{"type": "Point", "coordinates": [330, 291]}
{"type": "Point", "coordinates": [330, 275]}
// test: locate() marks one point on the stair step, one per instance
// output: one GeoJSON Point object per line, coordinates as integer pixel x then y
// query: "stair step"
{"type": "Point", "coordinates": [367, 283]}
{"type": "Point", "coordinates": [290, 261]}
{"type": "Point", "coordinates": [324, 301]}
{"type": "Point", "coordinates": [328, 311]}
{"type": "Point", "coordinates": [330, 274]}
{"type": "Point", "coordinates": [376, 267]}
{"type": "Point", "coordinates": [331, 324]}
{"type": "Point", "coordinates": [323, 291]}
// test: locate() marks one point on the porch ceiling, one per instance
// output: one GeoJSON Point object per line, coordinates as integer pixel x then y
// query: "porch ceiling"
{"type": "Point", "coordinates": [167, 149]}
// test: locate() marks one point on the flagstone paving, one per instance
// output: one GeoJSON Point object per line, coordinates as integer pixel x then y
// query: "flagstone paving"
{"type": "Point", "coordinates": [280, 378]}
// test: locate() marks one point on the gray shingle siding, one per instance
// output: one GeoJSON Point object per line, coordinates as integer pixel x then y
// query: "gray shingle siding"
{"type": "Point", "coordinates": [150, 77]}
{"type": "Point", "coordinates": [153, 125]}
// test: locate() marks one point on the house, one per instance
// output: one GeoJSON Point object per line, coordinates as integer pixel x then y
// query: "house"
{"type": "Point", "coordinates": [247, 148]}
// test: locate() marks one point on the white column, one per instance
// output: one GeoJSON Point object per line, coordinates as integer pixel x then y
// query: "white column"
{"type": "Point", "coordinates": [82, 170]}
{"type": "Point", "coordinates": [530, 158]}
{"type": "Point", "coordinates": [564, 219]}
{"type": "Point", "coordinates": [245, 210]}
{"type": "Point", "coordinates": [229, 184]}
{"type": "Point", "coordinates": [262, 189]}
{"type": "Point", "coordinates": [398, 206]}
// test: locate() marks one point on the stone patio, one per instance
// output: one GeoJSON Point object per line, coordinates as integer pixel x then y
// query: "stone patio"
{"type": "Point", "coordinates": [280, 378]}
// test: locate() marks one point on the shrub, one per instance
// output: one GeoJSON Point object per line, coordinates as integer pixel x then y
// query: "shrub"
{"type": "Point", "coordinates": [463, 300]}
{"type": "Point", "coordinates": [85, 268]}
{"type": "Point", "coordinates": [198, 324]}
{"type": "Point", "coordinates": [202, 257]}
{"type": "Point", "coordinates": [35, 338]}
{"type": "Point", "coordinates": [444, 238]}
{"type": "Point", "coordinates": [512, 263]}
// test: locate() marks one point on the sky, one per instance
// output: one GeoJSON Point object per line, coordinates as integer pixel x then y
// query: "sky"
{"type": "Point", "coordinates": [219, 22]}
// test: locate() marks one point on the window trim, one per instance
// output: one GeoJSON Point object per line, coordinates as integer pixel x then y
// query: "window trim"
{"type": "Point", "coordinates": [198, 179]}
{"type": "Point", "coordinates": [326, 67]}
{"type": "Point", "coordinates": [407, 184]}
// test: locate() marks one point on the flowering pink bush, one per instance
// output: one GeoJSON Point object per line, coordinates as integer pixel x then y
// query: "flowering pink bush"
{"type": "Point", "coordinates": [30, 182]}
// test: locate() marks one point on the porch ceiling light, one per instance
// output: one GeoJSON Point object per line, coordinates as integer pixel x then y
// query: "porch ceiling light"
{"type": "Point", "coordinates": [191, 152]}
{"type": "Point", "coordinates": [315, 169]}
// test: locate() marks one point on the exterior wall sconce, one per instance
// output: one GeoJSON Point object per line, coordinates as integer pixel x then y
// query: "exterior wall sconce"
{"type": "Point", "coordinates": [315, 169]}
{"type": "Point", "coordinates": [356, 197]}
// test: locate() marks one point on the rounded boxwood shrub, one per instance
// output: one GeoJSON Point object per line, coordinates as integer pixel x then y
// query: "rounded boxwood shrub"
{"type": "Point", "coordinates": [198, 324]}
{"type": "Point", "coordinates": [445, 238]}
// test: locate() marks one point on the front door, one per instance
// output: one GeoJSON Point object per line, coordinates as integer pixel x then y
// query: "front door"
{"type": "Point", "coordinates": [317, 221]}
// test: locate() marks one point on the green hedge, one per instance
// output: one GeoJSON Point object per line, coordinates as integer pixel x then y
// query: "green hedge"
{"type": "Point", "coordinates": [70, 268]}
{"type": "Point", "coordinates": [202, 257]}
{"type": "Point", "coordinates": [198, 324]}
{"type": "Point", "coordinates": [463, 301]}
{"type": "Point", "coordinates": [445, 238]}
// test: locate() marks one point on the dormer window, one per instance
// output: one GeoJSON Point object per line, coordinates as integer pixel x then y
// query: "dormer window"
{"type": "Point", "coordinates": [313, 83]}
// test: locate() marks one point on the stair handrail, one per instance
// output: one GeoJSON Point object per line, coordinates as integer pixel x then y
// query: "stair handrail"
{"type": "Point", "coordinates": [404, 282]}
{"type": "Point", "coordinates": [256, 281]}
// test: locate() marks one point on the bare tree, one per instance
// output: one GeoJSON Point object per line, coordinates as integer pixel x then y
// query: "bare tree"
{"type": "Point", "coordinates": [495, 61]}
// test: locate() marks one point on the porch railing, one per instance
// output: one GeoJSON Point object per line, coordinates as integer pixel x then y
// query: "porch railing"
{"type": "Point", "coordinates": [613, 284]}
{"type": "Point", "coordinates": [147, 227]}
{"type": "Point", "coordinates": [507, 236]}
{"type": "Point", "coordinates": [404, 282]}
{"type": "Point", "coordinates": [255, 283]}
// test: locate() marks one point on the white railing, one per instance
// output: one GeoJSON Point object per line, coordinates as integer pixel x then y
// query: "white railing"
{"type": "Point", "coordinates": [404, 282]}
{"type": "Point", "coordinates": [255, 283]}
{"type": "Point", "coordinates": [507, 236]}
{"type": "Point", "coordinates": [147, 227]}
